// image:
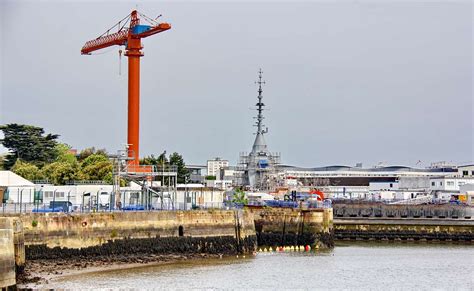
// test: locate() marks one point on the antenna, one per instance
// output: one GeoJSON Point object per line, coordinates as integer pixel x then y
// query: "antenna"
{"type": "Point", "coordinates": [260, 104]}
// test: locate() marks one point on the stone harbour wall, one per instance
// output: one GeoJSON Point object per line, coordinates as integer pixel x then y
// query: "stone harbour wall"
{"type": "Point", "coordinates": [284, 227]}
{"type": "Point", "coordinates": [402, 211]}
{"type": "Point", "coordinates": [54, 235]}
{"type": "Point", "coordinates": [435, 230]}
{"type": "Point", "coordinates": [12, 255]}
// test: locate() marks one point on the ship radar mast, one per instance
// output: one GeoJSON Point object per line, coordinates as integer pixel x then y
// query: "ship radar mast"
{"type": "Point", "coordinates": [260, 105]}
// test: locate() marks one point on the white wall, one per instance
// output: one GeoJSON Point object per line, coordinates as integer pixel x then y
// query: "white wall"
{"type": "Point", "coordinates": [25, 194]}
{"type": "Point", "coordinates": [374, 186]}
{"type": "Point", "coordinates": [466, 171]}
{"type": "Point", "coordinates": [206, 197]}
{"type": "Point", "coordinates": [449, 184]}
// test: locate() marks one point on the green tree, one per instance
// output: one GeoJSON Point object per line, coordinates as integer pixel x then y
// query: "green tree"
{"type": "Point", "coordinates": [27, 170]}
{"type": "Point", "coordinates": [90, 151]}
{"type": "Point", "coordinates": [29, 143]}
{"type": "Point", "coordinates": [100, 171]}
{"type": "Point", "coordinates": [93, 159]}
{"type": "Point", "coordinates": [183, 173]}
{"type": "Point", "coordinates": [161, 160]}
{"type": "Point", "coordinates": [64, 154]}
{"type": "Point", "coordinates": [85, 153]}
{"type": "Point", "coordinates": [96, 167]}
{"type": "Point", "coordinates": [149, 160]}
{"type": "Point", "coordinates": [2, 159]}
{"type": "Point", "coordinates": [59, 173]}
{"type": "Point", "coordinates": [239, 197]}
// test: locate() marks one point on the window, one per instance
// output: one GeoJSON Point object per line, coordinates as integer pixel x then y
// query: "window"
{"type": "Point", "coordinates": [432, 183]}
{"type": "Point", "coordinates": [450, 183]}
{"type": "Point", "coordinates": [441, 183]}
{"type": "Point", "coordinates": [391, 185]}
{"type": "Point", "coordinates": [465, 173]}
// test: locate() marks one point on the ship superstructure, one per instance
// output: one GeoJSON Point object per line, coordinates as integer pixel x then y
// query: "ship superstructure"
{"type": "Point", "coordinates": [258, 168]}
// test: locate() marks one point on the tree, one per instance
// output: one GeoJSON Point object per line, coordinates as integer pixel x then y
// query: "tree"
{"type": "Point", "coordinates": [239, 197]}
{"type": "Point", "coordinates": [61, 172]}
{"type": "Point", "coordinates": [64, 154]}
{"type": "Point", "coordinates": [96, 167]}
{"type": "Point", "coordinates": [28, 143]}
{"type": "Point", "coordinates": [100, 171]}
{"type": "Point", "coordinates": [27, 170]}
{"type": "Point", "coordinates": [93, 159]}
{"type": "Point", "coordinates": [149, 160]}
{"type": "Point", "coordinates": [161, 160]}
{"type": "Point", "coordinates": [85, 153]}
{"type": "Point", "coordinates": [183, 173]}
{"type": "Point", "coordinates": [90, 151]}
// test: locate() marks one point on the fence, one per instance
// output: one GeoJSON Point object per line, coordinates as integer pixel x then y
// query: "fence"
{"type": "Point", "coordinates": [68, 207]}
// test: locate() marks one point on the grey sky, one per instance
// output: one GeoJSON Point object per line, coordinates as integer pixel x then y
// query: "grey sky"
{"type": "Point", "coordinates": [347, 82]}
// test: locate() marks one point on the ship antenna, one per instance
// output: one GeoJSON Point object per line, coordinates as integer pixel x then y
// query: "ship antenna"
{"type": "Point", "coordinates": [260, 104]}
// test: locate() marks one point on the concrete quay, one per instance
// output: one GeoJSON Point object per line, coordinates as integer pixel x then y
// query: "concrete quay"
{"type": "Point", "coordinates": [288, 227]}
{"type": "Point", "coordinates": [53, 236]}
{"type": "Point", "coordinates": [379, 210]}
{"type": "Point", "coordinates": [12, 251]}
{"type": "Point", "coordinates": [404, 229]}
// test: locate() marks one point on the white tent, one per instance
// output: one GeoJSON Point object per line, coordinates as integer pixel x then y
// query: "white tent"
{"type": "Point", "coordinates": [19, 188]}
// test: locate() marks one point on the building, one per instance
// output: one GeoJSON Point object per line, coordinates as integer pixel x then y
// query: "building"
{"type": "Point", "coordinates": [197, 173]}
{"type": "Point", "coordinates": [355, 176]}
{"type": "Point", "coordinates": [219, 184]}
{"type": "Point", "coordinates": [191, 196]}
{"type": "Point", "coordinates": [15, 189]}
{"type": "Point", "coordinates": [449, 183]}
{"type": "Point", "coordinates": [466, 171]}
{"type": "Point", "coordinates": [214, 166]}
{"type": "Point", "coordinates": [227, 173]}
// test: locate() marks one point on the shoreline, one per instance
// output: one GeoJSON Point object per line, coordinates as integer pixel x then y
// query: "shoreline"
{"type": "Point", "coordinates": [39, 273]}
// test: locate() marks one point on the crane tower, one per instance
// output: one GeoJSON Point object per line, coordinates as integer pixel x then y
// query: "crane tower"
{"type": "Point", "coordinates": [129, 33]}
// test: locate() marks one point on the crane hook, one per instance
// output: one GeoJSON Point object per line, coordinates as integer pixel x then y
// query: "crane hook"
{"type": "Point", "coordinates": [120, 62]}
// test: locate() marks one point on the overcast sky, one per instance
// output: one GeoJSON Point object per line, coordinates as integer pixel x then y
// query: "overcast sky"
{"type": "Point", "coordinates": [347, 82]}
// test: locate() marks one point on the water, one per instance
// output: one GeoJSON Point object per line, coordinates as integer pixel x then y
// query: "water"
{"type": "Point", "coordinates": [353, 266]}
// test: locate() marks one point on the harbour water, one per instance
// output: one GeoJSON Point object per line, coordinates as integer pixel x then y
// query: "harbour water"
{"type": "Point", "coordinates": [377, 266]}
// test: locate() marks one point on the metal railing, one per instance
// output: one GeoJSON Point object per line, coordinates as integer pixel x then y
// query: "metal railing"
{"type": "Point", "coordinates": [65, 207]}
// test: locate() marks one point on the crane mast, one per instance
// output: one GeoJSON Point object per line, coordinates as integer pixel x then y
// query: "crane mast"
{"type": "Point", "coordinates": [131, 38]}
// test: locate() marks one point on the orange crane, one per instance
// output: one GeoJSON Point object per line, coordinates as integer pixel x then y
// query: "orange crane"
{"type": "Point", "coordinates": [130, 37]}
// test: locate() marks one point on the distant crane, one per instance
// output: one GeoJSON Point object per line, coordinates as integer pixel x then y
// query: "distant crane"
{"type": "Point", "coordinates": [130, 37]}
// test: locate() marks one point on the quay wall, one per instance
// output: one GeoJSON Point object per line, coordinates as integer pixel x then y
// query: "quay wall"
{"type": "Point", "coordinates": [404, 229]}
{"type": "Point", "coordinates": [379, 210]}
{"type": "Point", "coordinates": [12, 251]}
{"type": "Point", "coordinates": [277, 227]}
{"type": "Point", "coordinates": [60, 235]}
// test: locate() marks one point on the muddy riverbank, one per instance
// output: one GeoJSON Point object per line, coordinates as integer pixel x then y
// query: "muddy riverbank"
{"type": "Point", "coordinates": [38, 273]}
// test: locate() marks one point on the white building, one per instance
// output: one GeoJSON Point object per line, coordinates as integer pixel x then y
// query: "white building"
{"type": "Point", "coordinates": [87, 194]}
{"type": "Point", "coordinates": [15, 188]}
{"type": "Point", "coordinates": [387, 186]}
{"type": "Point", "coordinates": [214, 166]}
{"type": "Point", "coordinates": [449, 183]}
{"type": "Point", "coordinates": [190, 196]}
{"type": "Point", "coordinates": [466, 171]}
{"type": "Point", "coordinates": [219, 184]}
